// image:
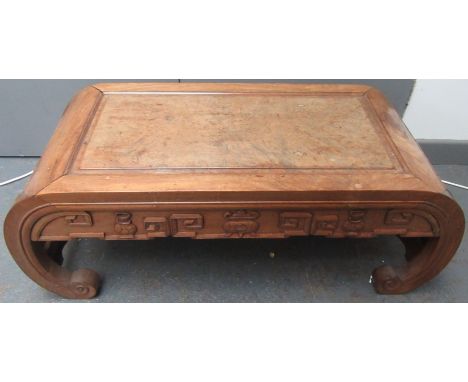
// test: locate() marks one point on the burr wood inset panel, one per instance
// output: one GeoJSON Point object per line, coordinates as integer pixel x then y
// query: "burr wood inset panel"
{"type": "Point", "coordinates": [211, 131]}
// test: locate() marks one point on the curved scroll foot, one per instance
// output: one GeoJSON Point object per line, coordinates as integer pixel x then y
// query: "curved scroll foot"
{"type": "Point", "coordinates": [42, 266]}
{"type": "Point", "coordinates": [426, 257]}
{"type": "Point", "coordinates": [386, 280]}
{"type": "Point", "coordinates": [41, 261]}
{"type": "Point", "coordinates": [85, 283]}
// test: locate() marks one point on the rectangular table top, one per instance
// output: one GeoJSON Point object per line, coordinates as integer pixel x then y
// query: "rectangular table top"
{"type": "Point", "coordinates": [162, 131]}
{"type": "Point", "coordinates": [232, 137]}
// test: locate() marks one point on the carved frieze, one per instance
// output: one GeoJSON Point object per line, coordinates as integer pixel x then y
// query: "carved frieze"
{"type": "Point", "coordinates": [139, 225]}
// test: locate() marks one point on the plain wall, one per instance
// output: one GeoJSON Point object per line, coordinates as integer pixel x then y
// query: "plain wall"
{"type": "Point", "coordinates": [30, 109]}
{"type": "Point", "coordinates": [438, 109]}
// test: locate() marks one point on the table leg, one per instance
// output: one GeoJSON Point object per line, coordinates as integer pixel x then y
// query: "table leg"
{"type": "Point", "coordinates": [426, 257]}
{"type": "Point", "coordinates": [41, 261]}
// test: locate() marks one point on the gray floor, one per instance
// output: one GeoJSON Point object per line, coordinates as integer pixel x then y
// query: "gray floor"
{"type": "Point", "coordinates": [184, 270]}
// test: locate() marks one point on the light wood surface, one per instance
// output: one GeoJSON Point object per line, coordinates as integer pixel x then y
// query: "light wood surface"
{"type": "Point", "coordinates": [232, 131]}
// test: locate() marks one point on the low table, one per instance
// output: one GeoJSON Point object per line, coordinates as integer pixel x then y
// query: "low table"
{"type": "Point", "coordinates": [209, 161]}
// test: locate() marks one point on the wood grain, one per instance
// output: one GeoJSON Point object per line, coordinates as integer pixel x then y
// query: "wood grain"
{"type": "Point", "coordinates": [228, 131]}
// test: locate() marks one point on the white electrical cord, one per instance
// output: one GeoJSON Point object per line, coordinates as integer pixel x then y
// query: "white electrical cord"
{"type": "Point", "coordinates": [15, 179]}
{"type": "Point", "coordinates": [30, 172]}
{"type": "Point", "coordinates": [454, 184]}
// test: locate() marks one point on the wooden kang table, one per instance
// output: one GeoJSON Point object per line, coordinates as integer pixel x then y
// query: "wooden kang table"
{"type": "Point", "coordinates": [206, 161]}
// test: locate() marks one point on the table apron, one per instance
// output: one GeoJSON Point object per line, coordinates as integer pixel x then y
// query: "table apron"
{"type": "Point", "coordinates": [143, 222]}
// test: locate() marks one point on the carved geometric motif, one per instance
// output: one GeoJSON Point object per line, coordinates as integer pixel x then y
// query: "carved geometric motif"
{"type": "Point", "coordinates": [295, 223]}
{"type": "Point", "coordinates": [42, 230]}
{"type": "Point", "coordinates": [79, 219]}
{"type": "Point", "coordinates": [237, 223]}
{"type": "Point", "coordinates": [412, 223]}
{"type": "Point", "coordinates": [156, 226]}
{"type": "Point", "coordinates": [326, 225]}
{"type": "Point", "coordinates": [186, 225]}
{"type": "Point", "coordinates": [398, 217]}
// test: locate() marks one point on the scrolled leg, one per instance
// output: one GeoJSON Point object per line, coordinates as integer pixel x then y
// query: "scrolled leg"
{"type": "Point", "coordinates": [41, 262]}
{"type": "Point", "coordinates": [426, 257]}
